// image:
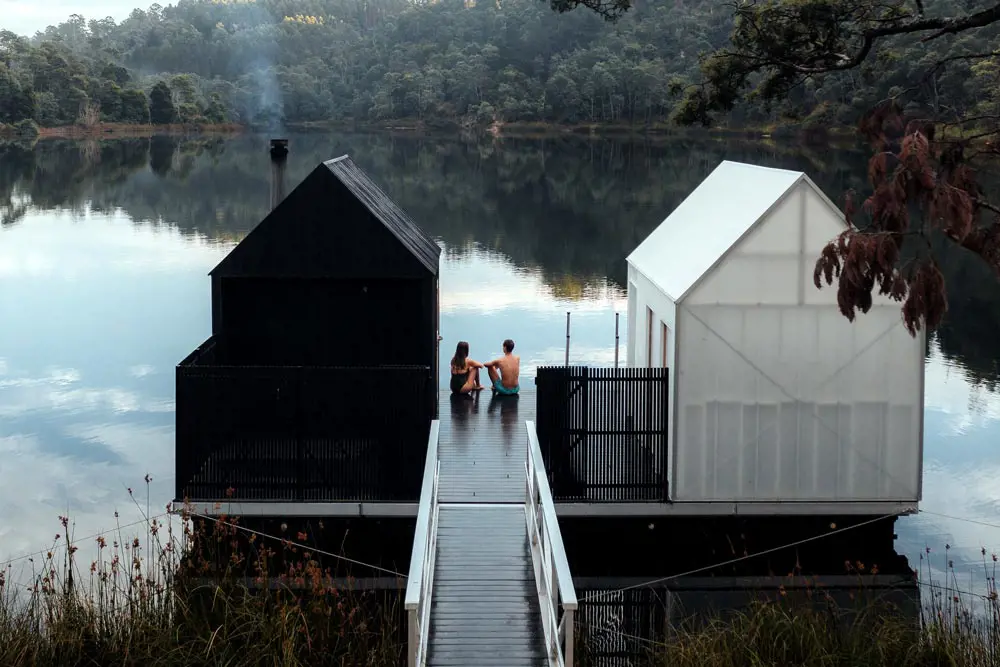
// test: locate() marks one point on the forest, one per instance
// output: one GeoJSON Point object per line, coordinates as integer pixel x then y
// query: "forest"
{"type": "Point", "coordinates": [278, 63]}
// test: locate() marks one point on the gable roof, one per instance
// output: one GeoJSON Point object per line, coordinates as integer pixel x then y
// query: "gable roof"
{"type": "Point", "coordinates": [709, 222]}
{"type": "Point", "coordinates": [326, 187]}
{"type": "Point", "coordinates": [386, 211]}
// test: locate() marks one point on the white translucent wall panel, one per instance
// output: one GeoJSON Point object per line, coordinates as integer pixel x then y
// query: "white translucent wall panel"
{"type": "Point", "coordinates": [645, 298]}
{"type": "Point", "coordinates": [778, 396]}
{"type": "Point", "coordinates": [761, 415]}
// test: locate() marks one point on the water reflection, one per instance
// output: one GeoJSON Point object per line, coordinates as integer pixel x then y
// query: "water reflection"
{"type": "Point", "coordinates": [96, 312]}
{"type": "Point", "coordinates": [485, 299]}
{"type": "Point", "coordinates": [104, 246]}
{"type": "Point", "coordinates": [961, 469]}
{"type": "Point", "coordinates": [505, 408]}
{"type": "Point", "coordinates": [463, 408]}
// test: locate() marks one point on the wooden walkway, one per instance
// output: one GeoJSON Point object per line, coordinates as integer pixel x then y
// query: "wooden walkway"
{"type": "Point", "coordinates": [484, 606]}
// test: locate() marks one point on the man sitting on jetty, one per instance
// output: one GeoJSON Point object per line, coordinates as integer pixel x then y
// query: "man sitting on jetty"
{"type": "Point", "coordinates": [505, 371]}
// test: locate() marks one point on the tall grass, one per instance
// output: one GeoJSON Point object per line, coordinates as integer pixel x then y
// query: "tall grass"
{"type": "Point", "coordinates": [164, 598]}
{"type": "Point", "coordinates": [194, 592]}
{"type": "Point", "coordinates": [953, 627]}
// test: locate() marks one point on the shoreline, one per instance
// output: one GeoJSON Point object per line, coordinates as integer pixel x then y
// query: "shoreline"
{"type": "Point", "coordinates": [125, 130]}
{"type": "Point", "coordinates": [546, 130]}
{"type": "Point", "coordinates": [496, 130]}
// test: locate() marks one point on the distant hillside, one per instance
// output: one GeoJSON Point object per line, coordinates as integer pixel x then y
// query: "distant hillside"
{"type": "Point", "coordinates": [271, 62]}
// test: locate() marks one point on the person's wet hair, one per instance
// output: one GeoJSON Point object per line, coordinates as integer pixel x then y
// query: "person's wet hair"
{"type": "Point", "coordinates": [461, 353]}
{"type": "Point", "coordinates": [508, 345]}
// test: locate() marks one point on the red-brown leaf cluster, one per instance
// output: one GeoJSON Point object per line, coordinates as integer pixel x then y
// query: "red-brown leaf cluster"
{"type": "Point", "coordinates": [925, 299]}
{"type": "Point", "coordinates": [921, 186]}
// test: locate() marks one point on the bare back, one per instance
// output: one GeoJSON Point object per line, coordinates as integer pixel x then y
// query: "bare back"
{"type": "Point", "coordinates": [510, 370]}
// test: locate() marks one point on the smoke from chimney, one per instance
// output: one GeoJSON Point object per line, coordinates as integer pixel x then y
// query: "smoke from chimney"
{"type": "Point", "coordinates": [279, 156]}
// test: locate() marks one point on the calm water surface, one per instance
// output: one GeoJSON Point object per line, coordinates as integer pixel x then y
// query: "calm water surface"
{"type": "Point", "coordinates": [105, 246]}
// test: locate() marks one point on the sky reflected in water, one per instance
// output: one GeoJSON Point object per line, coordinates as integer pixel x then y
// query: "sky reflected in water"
{"type": "Point", "coordinates": [485, 299]}
{"type": "Point", "coordinates": [96, 311]}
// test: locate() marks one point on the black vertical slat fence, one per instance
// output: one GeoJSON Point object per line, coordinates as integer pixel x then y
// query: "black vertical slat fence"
{"type": "Point", "coordinates": [302, 433]}
{"type": "Point", "coordinates": [619, 627]}
{"type": "Point", "coordinates": [603, 432]}
{"type": "Point", "coordinates": [625, 626]}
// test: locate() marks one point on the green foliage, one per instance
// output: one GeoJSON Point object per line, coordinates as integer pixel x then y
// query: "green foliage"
{"type": "Point", "coordinates": [134, 107]}
{"type": "Point", "coordinates": [796, 55]}
{"type": "Point", "coordinates": [16, 102]}
{"type": "Point", "coordinates": [270, 62]}
{"type": "Point", "coordinates": [161, 104]}
{"type": "Point", "coordinates": [26, 128]}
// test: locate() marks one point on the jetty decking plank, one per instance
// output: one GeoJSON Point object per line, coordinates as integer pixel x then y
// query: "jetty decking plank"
{"type": "Point", "coordinates": [484, 609]}
{"type": "Point", "coordinates": [484, 605]}
{"type": "Point", "coordinates": [482, 448]}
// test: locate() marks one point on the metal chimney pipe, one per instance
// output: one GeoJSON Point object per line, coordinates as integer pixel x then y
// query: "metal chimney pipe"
{"type": "Point", "coordinates": [279, 156]}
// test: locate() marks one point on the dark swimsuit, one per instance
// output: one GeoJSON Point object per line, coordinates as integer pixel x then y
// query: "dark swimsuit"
{"type": "Point", "coordinates": [458, 381]}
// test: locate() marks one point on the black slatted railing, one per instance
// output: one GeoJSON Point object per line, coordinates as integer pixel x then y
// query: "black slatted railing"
{"type": "Point", "coordinates": [301, 433]}
{"type": "Point", "coordinates": [603, 432]}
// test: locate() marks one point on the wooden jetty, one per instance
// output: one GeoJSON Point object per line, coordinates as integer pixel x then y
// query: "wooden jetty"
{"type": "Point", "coordinates": [489, 581]}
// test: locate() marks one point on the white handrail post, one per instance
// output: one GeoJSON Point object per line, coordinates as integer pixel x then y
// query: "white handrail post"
{"type": "Point", "coordinates": [568, 625]}
{"type": "Point", "coordinates": [413, 638]}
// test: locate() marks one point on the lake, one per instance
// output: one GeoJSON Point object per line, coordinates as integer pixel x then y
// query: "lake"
{"type": "Point", "coordinates": [105, 247]}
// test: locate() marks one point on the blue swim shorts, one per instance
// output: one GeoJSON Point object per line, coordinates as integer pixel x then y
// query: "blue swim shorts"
{"type": "Point", "coordinates": [504, 391]}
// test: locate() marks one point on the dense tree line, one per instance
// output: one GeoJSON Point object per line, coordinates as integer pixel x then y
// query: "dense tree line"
{"type": "Point", "coordinates": [476, 61]}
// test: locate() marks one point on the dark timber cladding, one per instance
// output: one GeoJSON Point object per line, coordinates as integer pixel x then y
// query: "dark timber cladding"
{"type": "Point", "coordinates": [336, 275]}
{"type": "Point", "coordinates": [319, 381]}
{"type": "Point", "coordinates": [603, 432]}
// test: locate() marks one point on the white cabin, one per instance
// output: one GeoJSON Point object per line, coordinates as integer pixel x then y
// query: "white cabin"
{"type": "Point", "coordinates": [775, 395]}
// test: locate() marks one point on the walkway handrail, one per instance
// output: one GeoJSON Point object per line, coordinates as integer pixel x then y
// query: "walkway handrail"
{"type": "Point", "coordinates": [548, 554]}
{"type": "Point", "coordinates": [421, 577]}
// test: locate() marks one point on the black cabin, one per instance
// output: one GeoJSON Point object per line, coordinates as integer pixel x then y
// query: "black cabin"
{"type": "Point", "coordinates": [336, 275]}
{"type": "Point", "coordinates": [320, 378]}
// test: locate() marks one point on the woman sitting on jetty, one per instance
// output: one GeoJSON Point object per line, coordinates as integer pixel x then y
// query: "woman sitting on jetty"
{"type": "Point", "coordinates": [464, 371]}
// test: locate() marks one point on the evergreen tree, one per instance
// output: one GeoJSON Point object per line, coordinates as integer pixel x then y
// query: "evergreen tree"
{"type": "Point", "coordinates": [16, 102]}
{"type": "Point", "coordinates": [161, 104]}
{"type": "Point", "coordinates": [135, 107]}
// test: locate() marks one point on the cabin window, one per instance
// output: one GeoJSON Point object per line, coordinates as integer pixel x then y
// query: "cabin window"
{"type": "Point", "coordinates": [632, 329]}
{"type": "Point", "coordinates": [649, 337]}
{"type": "Point", "coordinates": [664, 339]}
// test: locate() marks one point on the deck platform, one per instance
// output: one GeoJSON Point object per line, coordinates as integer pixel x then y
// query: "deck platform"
{"type": "Point", "coordinates": [482, 448]}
